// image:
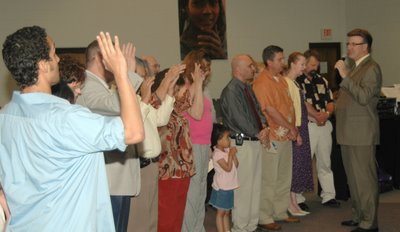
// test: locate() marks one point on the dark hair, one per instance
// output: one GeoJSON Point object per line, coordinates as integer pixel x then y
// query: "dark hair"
{"type": "Point", "coordinates": [160, 76]}
{"type": "Point", "coordinates": [367, 37]}
{"type": "Point", "coordinates": [194, 56]}
{"type": "Point", "coordinates": [22, 51]}
{"type": "Point", "coordinates": [217, 133]}
{"type": "Point", "coordinates": [293, 57]}
{"type": "Point", "coordinates": [61, 89]}
{"type": "Point", "coordinates": [91, 50]}
{"type": "Point", "coordinates": [269, 53]}
{"type": "Point", "coordinates": [311, 52]}
{"type": "Point", "coordinates": [71, 70]}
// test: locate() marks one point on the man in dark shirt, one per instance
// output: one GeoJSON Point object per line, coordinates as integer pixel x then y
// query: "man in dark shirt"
{"type": "Point", "coordinates": [320, 107]}
{"type": "Point", "coordinates": [241, 114]}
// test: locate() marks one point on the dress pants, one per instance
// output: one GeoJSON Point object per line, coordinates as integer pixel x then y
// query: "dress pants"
{"type": "Point", "coordinates": [193, 220]}
{"type": "Point", "coordinates": [120, 207]}
{"type": "Point", "coordinates": [245, 213]}
{"type": "Point", "coordinates": [321, 147]}
{"type": "Point", "coordinates": [172, 195]}
{"type": "Point", "coordinates": [360, 165]}
{"type": "Point", "coordinates": [276, 183]}
{"type": "Point", "coordinates": [143, 214]}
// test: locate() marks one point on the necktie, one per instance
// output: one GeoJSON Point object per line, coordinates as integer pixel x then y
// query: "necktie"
{"type": "Point", "coordinates": [253, 106]}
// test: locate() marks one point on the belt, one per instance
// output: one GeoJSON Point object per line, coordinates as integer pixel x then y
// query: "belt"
{"type": "Point", "coordinates": [248, 138]}
{"type": "Point", "coordinates": [144, 162]}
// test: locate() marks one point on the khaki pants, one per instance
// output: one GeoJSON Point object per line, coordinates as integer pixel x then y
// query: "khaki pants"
{"type": "Point", "coordinates": [276, 182]}
{"type": "Point", "coordinates": [245, 213]}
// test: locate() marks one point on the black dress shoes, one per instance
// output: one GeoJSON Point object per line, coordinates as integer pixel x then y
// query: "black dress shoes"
{"type": "Point", "coordinates": [332, 203]}
{"type": "Point", "coordinates": [358, 229]}
{"type": "Point", "coordinates": [349, 223]}
{"type": "Point", "coordinates": [303, 206]}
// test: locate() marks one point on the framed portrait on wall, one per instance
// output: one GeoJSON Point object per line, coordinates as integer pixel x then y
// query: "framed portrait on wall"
{"type": "Point", "coordinates": [77, 54]}
{"type": "Point", "coordinates": [202, 24]}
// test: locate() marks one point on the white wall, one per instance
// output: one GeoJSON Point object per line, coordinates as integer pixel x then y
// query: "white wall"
{"type": "Point", "coordinates": [382, 19]}
{"type": "Point", "coordinates": [252, 25]}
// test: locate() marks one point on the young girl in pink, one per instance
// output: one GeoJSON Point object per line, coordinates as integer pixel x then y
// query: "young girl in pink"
{"type": "Point", "coordinates": [225, 179]}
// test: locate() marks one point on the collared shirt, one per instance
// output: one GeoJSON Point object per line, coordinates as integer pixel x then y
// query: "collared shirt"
{"type": "Point", "coordinates": [236, 111]}
{"type": "Point", "coordinates": [272, 91]}
{"type": "Point", "coordinates": [51, 165]}
{"type": "Point", "coordinates": [316, 91]}
{"type": "Point", "coordinates": [361, 59]}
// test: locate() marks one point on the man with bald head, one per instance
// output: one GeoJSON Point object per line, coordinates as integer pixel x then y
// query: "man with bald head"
{"type": "Point", "coordinates": [241, 114]}
{"type": "Point", "coordinates": [153, 64]}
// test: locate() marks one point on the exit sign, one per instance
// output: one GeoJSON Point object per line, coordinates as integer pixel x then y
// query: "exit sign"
{"type": "Point", "coordinates": [326, 34]}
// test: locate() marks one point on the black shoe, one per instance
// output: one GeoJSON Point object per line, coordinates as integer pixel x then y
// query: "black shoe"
{"type": "Point", "coordinates": [303, 206]}
{"type": "Point", "coordinates": [332, 203]}
{"type": "Point", "coordinates": [358, 229]}
{"type": "Point", "coordinates": [349, 223]}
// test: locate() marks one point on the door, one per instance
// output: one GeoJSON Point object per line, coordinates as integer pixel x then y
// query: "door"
{"type": "Point", "coordinates": [329, 53]}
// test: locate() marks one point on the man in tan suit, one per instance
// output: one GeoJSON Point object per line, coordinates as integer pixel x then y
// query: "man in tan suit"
{"type": "Point", "coordinates": [123, 168]}
{"type": "Point", "coordinates": [357, 128]}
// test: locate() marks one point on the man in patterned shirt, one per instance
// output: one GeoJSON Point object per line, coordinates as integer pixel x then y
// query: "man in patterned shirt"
{"type": "Point", "coordinates": [320, 107]}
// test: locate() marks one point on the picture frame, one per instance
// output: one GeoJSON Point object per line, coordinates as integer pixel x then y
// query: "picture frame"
{"type": "Point", "coordinates": [78, 53]}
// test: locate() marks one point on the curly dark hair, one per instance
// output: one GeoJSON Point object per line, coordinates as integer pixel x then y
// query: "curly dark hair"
{"type": "Point", "coordinates": [71, 70]}
{"type": "Point", "coordinates": [22, 51]}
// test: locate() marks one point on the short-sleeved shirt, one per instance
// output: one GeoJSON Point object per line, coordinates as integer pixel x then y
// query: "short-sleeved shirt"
{"type": "Point", "coordinates": [274, 92]}
{"type": "Point", "coordinates": [51, 165]}
{"type": "Point", "coordinates": [222, 179]}
{"type": "Point", "coordinates": [316, 91]}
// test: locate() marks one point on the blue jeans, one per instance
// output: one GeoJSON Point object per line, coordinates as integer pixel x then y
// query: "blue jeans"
{"type": "Point", "coordinates": [120, 207]}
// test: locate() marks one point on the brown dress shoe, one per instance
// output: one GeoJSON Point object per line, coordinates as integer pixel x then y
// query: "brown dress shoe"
{"type": "Point", "coordinates": [291, 220]}
{"type": "Point", "coordinates": [271, 226]}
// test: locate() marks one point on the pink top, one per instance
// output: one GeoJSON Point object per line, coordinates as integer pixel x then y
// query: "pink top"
{"type": "Point", "coordinates": [200, 131]}
{"type": "Point", "coordinates": [222, 179]}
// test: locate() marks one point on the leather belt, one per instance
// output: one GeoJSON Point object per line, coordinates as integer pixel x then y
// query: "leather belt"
{"type": "Point", "coordinates": [144, 162]}
{"type": "Point", "coordinates": [248, 138]}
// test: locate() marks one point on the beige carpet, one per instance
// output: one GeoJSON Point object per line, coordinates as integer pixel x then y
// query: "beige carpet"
{"type": "Point", "coordinates": [326, 219]}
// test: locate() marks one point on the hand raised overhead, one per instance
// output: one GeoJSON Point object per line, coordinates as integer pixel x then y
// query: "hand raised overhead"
{"type": "Point", "coordinates": [145, 89]}
{"type": "Point", "coordinates": [113, 59]}
{"type": "Point", "coordinates": [129, 52]}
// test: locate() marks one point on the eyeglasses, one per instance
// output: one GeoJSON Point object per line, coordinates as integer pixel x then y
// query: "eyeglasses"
{"type": "Point", "coordinates": [354, 44]}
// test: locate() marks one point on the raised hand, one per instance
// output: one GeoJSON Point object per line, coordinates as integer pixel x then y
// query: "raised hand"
{"type": "Point", "coordinates": [145, 89]}
{"type": "Point", "coordinates": [168, 83]}
{"type": "Point", "coordinates": [172, 76]}
{"type": "Point", "coordinates": [129, 52]}
{"type": "Point", "coordinates": [113, 59]}
{"type": "Point", "coordinates": [198, 75]}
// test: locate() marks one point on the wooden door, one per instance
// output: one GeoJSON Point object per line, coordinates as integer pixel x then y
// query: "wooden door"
{"type": "Point", "coordinates": [329, 53]}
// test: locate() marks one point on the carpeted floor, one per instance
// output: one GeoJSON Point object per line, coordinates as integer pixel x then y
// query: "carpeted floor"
{"type": "Point", "coordinates": [326, 219]}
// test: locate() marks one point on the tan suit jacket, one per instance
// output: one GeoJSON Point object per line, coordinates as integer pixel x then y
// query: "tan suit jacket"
{"type": "Point", "coordinates": [357, 121]}
{"type": "Point", "coordinates": [122, 167]}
